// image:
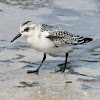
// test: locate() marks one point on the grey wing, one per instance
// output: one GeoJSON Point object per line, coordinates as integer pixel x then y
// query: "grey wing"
{"type": "Point", "coordinates": [63, 38]}
{"type": "Point", "coordinates": [45, 27]}
{"type": "Point", "coordinates": [58, 39]}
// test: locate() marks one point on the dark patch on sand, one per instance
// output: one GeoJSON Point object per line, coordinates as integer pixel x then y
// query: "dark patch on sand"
{"type": "Point", "coordinates": [28, 84]}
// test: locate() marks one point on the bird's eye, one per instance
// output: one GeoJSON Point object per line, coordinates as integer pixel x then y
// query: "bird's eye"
{"type": "Point", "coordinates": [26, 29]}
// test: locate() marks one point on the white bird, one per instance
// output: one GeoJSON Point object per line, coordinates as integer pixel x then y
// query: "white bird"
{"type": "Point", "coordinates": [49, 39]}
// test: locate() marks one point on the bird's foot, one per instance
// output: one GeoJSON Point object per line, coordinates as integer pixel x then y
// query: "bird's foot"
{"type": "Point", "coordinates": [33, 71]}
{"type": "Point", "coordinates": [61, 70]}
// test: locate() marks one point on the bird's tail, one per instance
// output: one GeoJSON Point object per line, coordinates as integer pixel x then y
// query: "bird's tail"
{"type": "Point", "coordinates": [81, 40]}
{"type": "Point", "coordinates": [84, 40]}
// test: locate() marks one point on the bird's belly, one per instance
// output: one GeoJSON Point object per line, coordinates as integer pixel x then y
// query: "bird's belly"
{"type": "Point", "coordinates": [47, 46]}
{"type": "Point", "coordinates": [51, 49]}
{"type": "Point", "coordinates": [41, 44]}
{"type": "Point", "coordinates": [58, 50]}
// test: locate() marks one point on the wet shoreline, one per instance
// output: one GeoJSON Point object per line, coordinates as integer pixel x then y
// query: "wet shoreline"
{"type": "Point", "coordinates": [83, 81]}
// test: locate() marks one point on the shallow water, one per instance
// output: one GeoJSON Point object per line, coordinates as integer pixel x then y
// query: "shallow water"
{"type": "Point", "coordinates": [80, 17]}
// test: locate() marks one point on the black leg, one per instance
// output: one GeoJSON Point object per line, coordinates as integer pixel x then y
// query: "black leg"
{"type": "Point", "coordinates": [63, 69]}
{"type": "Point", "coordinates": [65, 63]}
{"type": "Point", "coordinates": [37, 70]}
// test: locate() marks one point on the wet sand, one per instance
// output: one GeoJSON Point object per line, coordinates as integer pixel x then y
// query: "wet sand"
{"type": "Point", "coordinates": [83, 81]}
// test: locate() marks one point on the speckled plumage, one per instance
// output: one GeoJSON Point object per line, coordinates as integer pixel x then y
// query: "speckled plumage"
{"type": "Point", "coordinates": [45, 27]}
{"type": "Point", "coordinates": [61, 37]}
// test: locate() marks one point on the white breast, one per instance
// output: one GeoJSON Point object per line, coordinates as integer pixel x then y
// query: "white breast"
{"type": "Point", "coordinates": [39, 42]}
{"type": "Point", "coordinates": [45, 45]}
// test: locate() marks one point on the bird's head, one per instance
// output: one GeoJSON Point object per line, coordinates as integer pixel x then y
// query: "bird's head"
{"type": "Point", "coordinates": [26, 29]}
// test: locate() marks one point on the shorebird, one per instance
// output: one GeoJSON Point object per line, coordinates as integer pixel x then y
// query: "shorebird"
{"type": "Point", "coordinates": [49, 39]}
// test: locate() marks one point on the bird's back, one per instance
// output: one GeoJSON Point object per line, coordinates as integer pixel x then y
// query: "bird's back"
{"type": "Point", "coordinates": [63, 38]}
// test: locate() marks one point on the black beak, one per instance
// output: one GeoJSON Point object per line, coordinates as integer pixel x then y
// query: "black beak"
{"type": "Point", "coordinates": [17, 36]}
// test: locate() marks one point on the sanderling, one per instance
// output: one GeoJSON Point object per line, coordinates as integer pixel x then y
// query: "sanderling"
{"type": "Point", "coordinates": [49, 39]}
